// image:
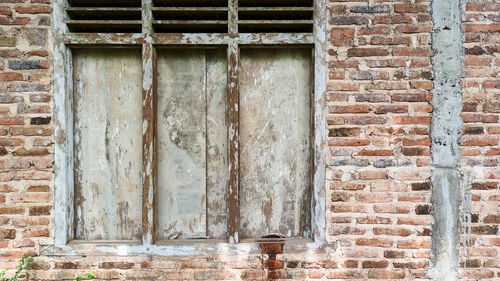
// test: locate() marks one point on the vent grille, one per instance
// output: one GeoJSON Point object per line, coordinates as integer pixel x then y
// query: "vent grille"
{"type": "Point", "coordinates": [190, 16]}
{"type": "Point", "coordinates": [104, 16]}
{"type": "Point", "coordinates": [275, 16]}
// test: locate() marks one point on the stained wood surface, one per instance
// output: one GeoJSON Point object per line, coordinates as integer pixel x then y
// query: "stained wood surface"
{"type": "Point", "coordinates": [275, 150]}
{"type": "Point", "coordinates": [108, 144]}
{"type": "Point", "coordinates": [192, 144]}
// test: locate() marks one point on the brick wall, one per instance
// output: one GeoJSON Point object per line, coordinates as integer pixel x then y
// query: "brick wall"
{"type": "Point", "coordinates": [480, 147]}
{"type": "Point", "coordinates": [26, 161]}
{"type": "Point", "coordinates": [378, 158]}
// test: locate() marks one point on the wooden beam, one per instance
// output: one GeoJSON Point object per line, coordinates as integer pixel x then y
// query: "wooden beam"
{"type": "Point", "coordinates": [318, 206]}
{"type": "Point", "coordinates": [149, 161]}
{"type": "Point", "coordinates": [234, 155]}
{"type": "Point", "coordinates": [63, 131]}
{"type": "Point", "coordinates": [149, 116]}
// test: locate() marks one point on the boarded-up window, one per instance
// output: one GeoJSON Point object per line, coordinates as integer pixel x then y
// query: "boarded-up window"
{"type": "Point", "coordinates": [192, 143]}
{"type": "Point", "coordinates": [108, 144]}
{"type": "Point", "coordinates": [185, 119]}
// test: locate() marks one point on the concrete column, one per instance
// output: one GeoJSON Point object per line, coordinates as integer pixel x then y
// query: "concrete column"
{"type": "Point", "coordinates": [446, 128]}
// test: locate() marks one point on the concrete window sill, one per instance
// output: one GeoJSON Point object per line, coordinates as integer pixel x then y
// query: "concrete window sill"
{"type": "Point", "coordinates": [184, 248]}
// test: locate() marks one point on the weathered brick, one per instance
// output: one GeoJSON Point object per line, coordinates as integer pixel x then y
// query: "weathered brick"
{"type": "Point", "coordinates": [7, 233]}
{"type": "Point", "coordinates": [342, 36]}
{"type": "Point", "coordinates": [367, 52]}
{"type": "Point", "coordinates": [391, 254]}
{"type": "Point", "coordinates": [348, 20]}
{"type": "Point", "coordinates": [485, 230]}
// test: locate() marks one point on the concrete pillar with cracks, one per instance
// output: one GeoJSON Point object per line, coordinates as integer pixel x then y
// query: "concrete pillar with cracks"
{"type": "Point", "coordinates": [446, 128]}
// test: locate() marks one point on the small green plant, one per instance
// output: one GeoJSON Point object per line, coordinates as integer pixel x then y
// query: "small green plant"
{"type": "Point", "coordinates": [23, 265]}
{"type": "Point", "coordinates": [86, 275]}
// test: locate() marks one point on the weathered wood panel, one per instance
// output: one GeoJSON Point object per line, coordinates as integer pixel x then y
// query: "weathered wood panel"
{"type": "Point", "coordinates": [108, 144]}
{"type": "Point", "coordinates": [192, 144]}
{"type": "Point", "coordinates": [217, 144]}
{"type": "Point", "coordinates": [275, 132]}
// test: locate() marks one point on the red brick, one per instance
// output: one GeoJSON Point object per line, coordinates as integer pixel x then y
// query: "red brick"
{"type": "Point", "coordinates": [483, 7]}
{"type": "Point", "coordinates": [411, 8]}
{"type": "Point", "coordinates": [374, 30]}
{"type": "Point", "coordinates": [374, 220]}
{"type": "Point", "coordinates": [348, 142]}
{"type": "Point", "coordinates": [374, 242]}
{"type": "Point", "coordinates": [392, 209]}
{"type": "Point", "coordinates": [11, 121]}
{"type": "Point", "coordinates": [315, 274]}
{"type": "Point", "coordinates": [37, 233]}
{"type": "Point", "coordinates": [479, 141]}
{"type": "Point", "coordinates": [11, 76]}
{"type": "Point", "coordinates": [11, 211]}
{"type": "Point", "coordinates": [478, 274]}
{"type": "Point", "coordinates": [418, 97]}
{"type": "Point", "coordinates": [386, 63]}
{"type": "Point", "coordinates": [416, 151]}
{"type": "Point", "coordinates": [379, 40]}
{"type": "Point", "coordinates": [482, 27]}
{"type": "Point", "coordinates": [366, 52]}
{"type": "Point", "coordinates": [412, 120]}
{"type": "Point", "coordinates": [414, 221]}
{"type": "Point", "coordinates": [350, 109]}
{"type": "Point", "coordinates": [342, 36]}
{"type": "Point", "coordinates": [422, 85]}
{"type": "Point", "coordinates": [34, 10]}
{"type": "Point", "coordinates": [410, 52]}
{"type": "Point", "coordinates": [375, 264]}
{"type": "Point", "coordinates": [411, 265]}
{"type": "Point", "coordinates": [372, 175]}
{"type": "Point", "coordinates": [476, 61]}
{"type": "Point", "coordinates": [414, 244]}
{"type": "Point", "coordinates": [367, 152]}
{"type": "Point", "coordinates": [410, 28]}
{"type": "Point", "coordinates": [345, 274]}
{"type": "Point", "coordinates": [383, 109]}
{"type": "Point", "coordinates": [392, 19]}
{"type": "Point", "coordinates": [392, 231]}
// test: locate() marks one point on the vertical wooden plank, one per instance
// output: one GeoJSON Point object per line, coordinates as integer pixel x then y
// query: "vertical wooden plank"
{"type": "Point", "coordinates": [149, 115]}
{"type": "Point", "coordinates": [107, 140]}
{"type": "Point", "coordinates": [318, 206]}
{"type": "Point", "coordinates": [217, 145]}
{"type": "Point", "coordinates": [148, 140]}
{"type": "Point", "coordinates": [182, 144]}
{"type": "Point", "coordinates": [233, 54]}
{"type": "Point", "coordinates": [63, 130]}
{"type": "Point", "coordinates": [275, 132]}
